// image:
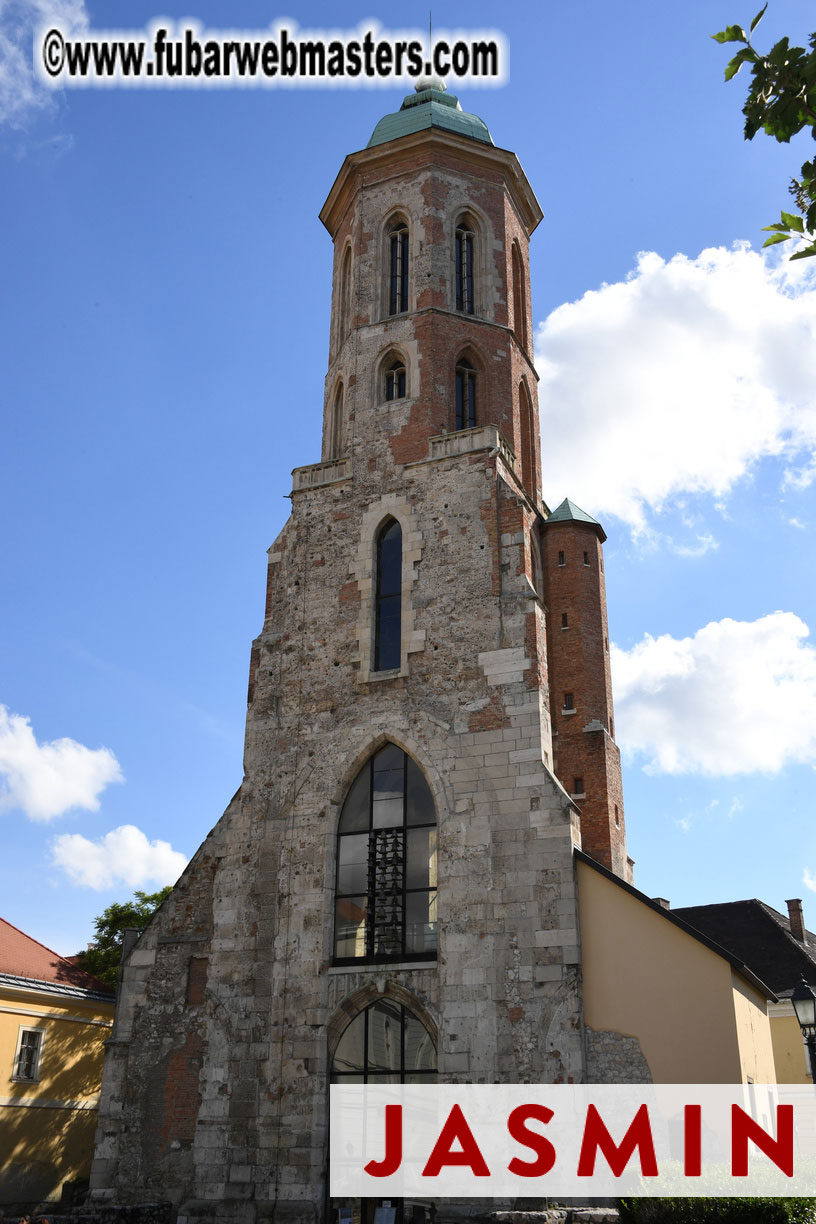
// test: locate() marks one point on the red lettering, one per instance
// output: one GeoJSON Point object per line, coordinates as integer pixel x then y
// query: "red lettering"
{"type": "Point", "coordinates": [544, 1150]}
{"type": "Point", "coordinates": [780, 1151]}
{"type": "Point", "coordinates": [456, 1130]}
{"type": "Point", "coordinates": [692, 1140]}
{"type": "Point", "coordinates": [392, 1159]}
{"type": "Point", "coordinates": [597, 1137]}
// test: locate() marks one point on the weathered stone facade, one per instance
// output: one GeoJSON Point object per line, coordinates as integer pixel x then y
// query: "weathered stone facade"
{"type": "Point", "coordinates": [216, 1084]}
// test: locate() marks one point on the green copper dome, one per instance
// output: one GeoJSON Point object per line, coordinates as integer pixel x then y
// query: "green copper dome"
{"type": "Point", "coordinates": [430, 106]}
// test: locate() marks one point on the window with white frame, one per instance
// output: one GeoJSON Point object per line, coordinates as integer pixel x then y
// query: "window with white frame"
{"type": "Point", "coordinates": [28, 1055]}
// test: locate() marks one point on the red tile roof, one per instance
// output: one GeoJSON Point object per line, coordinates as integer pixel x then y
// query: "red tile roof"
{"type": "Point", "coordinates": [23, 957]}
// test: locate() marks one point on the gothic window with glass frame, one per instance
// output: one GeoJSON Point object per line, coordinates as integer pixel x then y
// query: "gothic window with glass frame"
{"type": "Point", "coordinates": [398, 269]}
{"type": "Point", "coordinates": [395, 381]}
{"type": "Point", "coordinates": [385, 899]}
{"type": "Point", "coordinates": [465, 395]}
{"type": "Point", "coordinates": [464, 268]}
{"type": "Point", "coordinates": [388, 602]}
{"type": "Point", "coordinates": [385, 1044]}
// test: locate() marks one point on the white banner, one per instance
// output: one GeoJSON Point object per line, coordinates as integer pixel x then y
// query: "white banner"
{"type": "Point", "coordinates": [558, 1140]}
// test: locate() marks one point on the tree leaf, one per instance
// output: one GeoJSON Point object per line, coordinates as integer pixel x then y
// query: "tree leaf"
{"type": "Point", "coordinates": [757, 19]}
{"type": "Point", "coordinates": [774, 238]}
{"type": "Point", "coordinates": [792, 222]}
{"type": "Point", "coordinates": [733, 33]}
{"type": "Point", "coordinates": [734, 65]}
{"type": "Point", "coordinates": [805, 253]}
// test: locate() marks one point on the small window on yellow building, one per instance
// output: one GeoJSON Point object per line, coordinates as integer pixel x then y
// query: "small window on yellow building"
{"type": "Point", "coordinates": [29, 1054]}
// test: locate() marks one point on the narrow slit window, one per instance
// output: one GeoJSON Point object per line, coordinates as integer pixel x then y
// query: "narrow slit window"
{"type": "Point", "coordinates": [561, 560]}
{"type": "Point", "coordinates": [577, 786]}
{"type": "Point", "coordinates": [387, 638]}
{"type": "Point", "coordinates": [569, 701]}
{"type": "Point", "coordinates": [464, 269]}
{"type": "Point", "coordinates": [398, 295]}
{"type": "Point", "coordinates": [586, 558]}
{"type": "Point", "coordinates": [465, 395]}
{"type": "Point", "coordinates": [565, 620]}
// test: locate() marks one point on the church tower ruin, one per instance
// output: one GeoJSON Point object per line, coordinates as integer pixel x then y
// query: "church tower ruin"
{"type": "Point", "coordinates": [391, 892]}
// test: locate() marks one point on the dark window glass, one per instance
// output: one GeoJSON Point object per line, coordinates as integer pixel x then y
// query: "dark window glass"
{"type": "Point", "coordinates": [564, 620]}
{"type": "Point", "coordinates": [398, 297]}
{"type": "Point", "coordinates": [465, 395]}
{"type": "Point", "coordinates": [586, 558]}
{"type": "Point", "coordinates": [389, 597]}
{"type": "Point", "coordinates": [569, 701]}
{"type": "Point", "coordinates": [386, 872]}
{"type": "Point", "coordinates": [577, 786]}
{"type": "Point", "coordinates": [464, 270]}
{"type": "Point", "coordinates": [561, 560]}
{"type": "Point", "coordinates": [385, 1044]}
{"type": "Point", "coordinates": [395, 381]}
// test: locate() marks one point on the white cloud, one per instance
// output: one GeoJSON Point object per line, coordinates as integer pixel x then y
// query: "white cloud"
{"type": "Point", "coordinates": [808, 880]}
{"type": "Point", "coordinates": [738, 697]}
{"type": "Point", "coordinates": [123, 856]}
{"type": "Point", "coordinates": [678, 381]}
{"type": "Point", "coordinates": [45, 780]}
{"type": "Point", "coordinates": [21, 93]}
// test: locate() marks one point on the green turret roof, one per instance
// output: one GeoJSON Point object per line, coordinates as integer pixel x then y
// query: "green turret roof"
{"type": "Point", "coordinates": [568, 512]}
{"type": "Point", "coordinates": [430, 106]}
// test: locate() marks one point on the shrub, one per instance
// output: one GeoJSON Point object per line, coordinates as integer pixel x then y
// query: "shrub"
{"type": "Point", "coordinates": [718, 1211]}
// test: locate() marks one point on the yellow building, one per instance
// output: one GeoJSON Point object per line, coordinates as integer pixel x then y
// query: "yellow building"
{"type": "Point", "coordinates": [697, 1013]}
{"type": "Point", "coordinates": [54, 1020]}
{"type": "Point", "coordinates": [778, 949]}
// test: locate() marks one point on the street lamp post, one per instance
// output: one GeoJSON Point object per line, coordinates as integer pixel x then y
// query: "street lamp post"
{"type": "Point", "coordinates": [804, 1004]}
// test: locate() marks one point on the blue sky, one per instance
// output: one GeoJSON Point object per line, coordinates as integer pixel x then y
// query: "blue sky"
{"type": "Point", "coordinates": [164, 310]}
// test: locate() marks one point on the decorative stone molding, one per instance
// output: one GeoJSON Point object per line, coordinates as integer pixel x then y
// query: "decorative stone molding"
{"type": "Point", "coordinates": [316, 474]}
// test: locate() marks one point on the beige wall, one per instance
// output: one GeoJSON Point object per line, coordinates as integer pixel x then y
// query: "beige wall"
{"type": "Point", "coordinates": [47, 1125]}
{"type": "Point", "coordinates": [790, 1055]}
{"type": "Point", "coordinates": [646, 978]}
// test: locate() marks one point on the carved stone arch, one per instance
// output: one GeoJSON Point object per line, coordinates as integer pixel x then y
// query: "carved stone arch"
{"type": "Point", "coordinates": [378, 988]}
{"type": "Point", "coordinates": [358, 757]}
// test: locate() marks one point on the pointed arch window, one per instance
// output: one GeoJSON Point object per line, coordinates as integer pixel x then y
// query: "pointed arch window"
{"type": "Point", "coordinates": [345, 297]}
{"type": "Point", "coordinates": [464, 255]}
{"type": "Point", "coordinates": [398, 268]}
{"type": "Point", "coordinates": [395, 381]}
{"type": "Point", "coordinates": [519, 298]}
{"type": "Point", "coordinates": [386, 1043]}
{"type": "Point", "coordinates": [388, 613]}
{"type": "Point", "coordinates": [465, 395]}
{"type": "Point", "coordinates": [527, 440]}
{"type": "Point", "coordinates": [386, 864]}
{"type": "Point", "coordinates": [336, 438]}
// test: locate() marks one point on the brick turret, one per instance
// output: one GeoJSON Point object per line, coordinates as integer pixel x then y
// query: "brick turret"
{"type": "Point", "coordinates": [586, 757]}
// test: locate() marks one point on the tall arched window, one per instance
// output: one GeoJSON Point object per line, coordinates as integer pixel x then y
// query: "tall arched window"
{"type": "Point", "coordinates": [464, 266]}
{"type": "Point", "coordinates": [388, 614]}
{"type": "Point", "coordinates": [384, 1044]}
{"type": "Point", "coordinates": [336, 438]}
{"type": "Point", "coordinates": [398, 268]}
{"type": "Point", "coordinates": [345, 297]}
{"type": "Point", "coordinates": [465, 395]}
{"type": "Point", "coordinates": [519, 298]}
{"type": "Point", "coordinates": [386, 863]}
{"type": "Point", "coordinates": [527, 440]}
{"type": "Point", "coordinates": [395, 380]}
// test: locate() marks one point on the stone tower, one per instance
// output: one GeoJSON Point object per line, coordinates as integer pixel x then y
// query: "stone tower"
{"type": "Point", "coordinates": [391, 892]}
